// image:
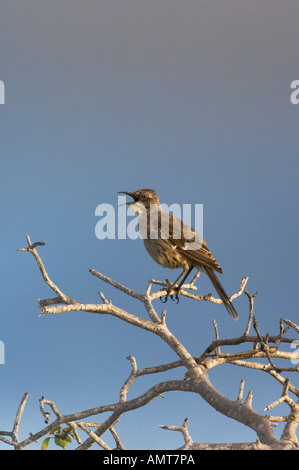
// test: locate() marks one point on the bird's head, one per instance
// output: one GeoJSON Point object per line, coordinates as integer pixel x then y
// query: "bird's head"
{"type": "Point", "coordinates": [144, 197]}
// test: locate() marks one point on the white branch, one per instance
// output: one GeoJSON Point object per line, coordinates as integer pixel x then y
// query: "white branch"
{"type": "Point", "coordinates": [196, 379]}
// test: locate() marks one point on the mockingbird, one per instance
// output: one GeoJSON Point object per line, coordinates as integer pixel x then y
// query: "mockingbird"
{"type": "Point", "coordinates": [173, 244]}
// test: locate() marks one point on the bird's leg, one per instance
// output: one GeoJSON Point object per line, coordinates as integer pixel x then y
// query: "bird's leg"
{"type": "Point", "coordinates": [198, 273]}
{"type": "Point", "coordinates": [178, 288]}
{"type": "Point", "coordinates": [173, 285]}
{"type": "Point", "coordinates": [183, 275]}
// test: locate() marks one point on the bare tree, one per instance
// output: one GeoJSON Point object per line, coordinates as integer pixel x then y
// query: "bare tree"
{"type": "Point", "coordinates": [255, 349]}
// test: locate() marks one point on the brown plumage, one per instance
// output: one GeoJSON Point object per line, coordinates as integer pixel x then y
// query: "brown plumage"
{"type": "Point", "coordinates": [173, 244]}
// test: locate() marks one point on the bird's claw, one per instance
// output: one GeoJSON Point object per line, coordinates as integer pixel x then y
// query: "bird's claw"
{"type": "Point", "coordinates": [171, 296]}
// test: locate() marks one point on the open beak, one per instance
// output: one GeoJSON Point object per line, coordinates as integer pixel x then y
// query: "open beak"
{"type": "Point", "coordinates": [127, 194]}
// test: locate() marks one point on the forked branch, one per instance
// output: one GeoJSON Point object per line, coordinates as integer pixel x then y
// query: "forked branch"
{"type": "Point", "coordinates": [196, 379]}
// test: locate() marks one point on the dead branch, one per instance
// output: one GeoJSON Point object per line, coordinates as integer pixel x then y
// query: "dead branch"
{"type": "Point", "coordinates": [184, 430]}
{"type": "Point", "coordinates": [196, 379]}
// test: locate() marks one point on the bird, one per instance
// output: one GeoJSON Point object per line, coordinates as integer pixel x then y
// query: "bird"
{"type": "Point", "coordinates": [173, 244]}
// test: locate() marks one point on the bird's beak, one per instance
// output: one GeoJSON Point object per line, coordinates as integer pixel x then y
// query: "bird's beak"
{"type": "Point", "coordinates": [128, 194]}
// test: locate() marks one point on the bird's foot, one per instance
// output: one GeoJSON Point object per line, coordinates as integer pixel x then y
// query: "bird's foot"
{"type": "Point", "coordinates": [172, 296]}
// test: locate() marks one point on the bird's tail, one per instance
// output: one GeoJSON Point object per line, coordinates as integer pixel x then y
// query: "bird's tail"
{"type": "Point", "coordinates": [221, 292]}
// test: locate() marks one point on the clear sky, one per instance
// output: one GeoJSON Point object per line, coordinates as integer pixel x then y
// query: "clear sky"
{"type": "Point", "coordinates": [190, 98]}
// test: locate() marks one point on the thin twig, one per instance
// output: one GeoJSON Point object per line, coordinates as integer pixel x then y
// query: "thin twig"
{"type": "Point", "coordinates": [183, 429]}
{"type": "Point", "coordinates": [15, 430]}
{"type": "Point", "coordinates": [241, 391]}
{"type": "Point", "coordinates": [31, 248]}
{"type": "Point", "coordinates": [251, 306]}
{"type": "Point", "coordinates": [94, 437]}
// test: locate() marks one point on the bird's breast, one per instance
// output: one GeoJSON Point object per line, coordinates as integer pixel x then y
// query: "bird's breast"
{"type": "Point", "coordinates": [164, 253]}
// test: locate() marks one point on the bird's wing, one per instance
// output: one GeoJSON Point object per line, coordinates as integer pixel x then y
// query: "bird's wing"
{"type": "Point", "coordinates": [192, 245]}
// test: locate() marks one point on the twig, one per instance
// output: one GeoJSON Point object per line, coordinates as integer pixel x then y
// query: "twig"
{"type": "Point", "coordinates": [133, 375]}
{"type": "Point", "coordinates": [284, 398]}
{"type": "Point", "coordinates": [208, 297]}
{"type": "Point", "coordinates": [263, 343]}
{"type": "Point", "coordinates": [31, 248]}
{"type": "Point", "coordinates": [291, 324]}
{"type": "Point", "coordinates": [94, 437]}
{"type": "Point", "coordinates": [248, 399]}
{"type": "Point", "coordinates": [117, 285]}
{"type": "Point", "coordinates": [217, 350]}
{"type": "Point", "coordinates": [42, 403]}
{"type": "Point", "coordinates": [15, 430]}
{"type": "Point", "coordinates": [183, 429]}
{"type": "Point", "coordinates": [251, 306]}
{"type": "Point", "coordinates": [241, 391]}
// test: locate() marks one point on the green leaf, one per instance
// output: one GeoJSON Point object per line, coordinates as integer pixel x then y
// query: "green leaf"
{"type": "Point", "coordinates": [57, 428]}
{"type": "Point", "coordinates": [45, 443]}
{"type": "Point", "coordinates": [60, 442]}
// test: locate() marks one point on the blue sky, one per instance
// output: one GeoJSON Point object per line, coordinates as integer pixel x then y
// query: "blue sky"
{"type": "Point", "coordinates": [189, 98]}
